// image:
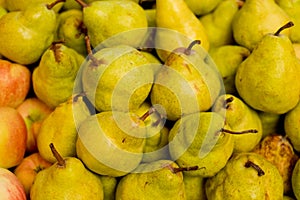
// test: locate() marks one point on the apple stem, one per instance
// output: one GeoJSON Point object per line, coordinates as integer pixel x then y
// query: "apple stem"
{"type": "Point", "coordinates": [182, 169]}
{"type": "Point", "coordinates": [51, 5]}
{"type": "Point", "coordinates": [259, 170]}
{"type": "Point", "coordinates": [147, 114]}
{"type": "Point", "coordinates": [60, 160]}
{"type": "Point", "coordinates": [287, 25]}
{"type": "Point", "coordinates": [189, 48]}
{"type": "Point", "coordinates": [239, 132]}
{"type": "Point", "coordinates": [82, 3]}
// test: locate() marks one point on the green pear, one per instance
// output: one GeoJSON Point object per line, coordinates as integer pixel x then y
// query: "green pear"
{"type": "Point", "coordinates": [227, 59]}
{"type": "Point", "coordinates": [111, 143]}
{"type": "Point", "coordinates": [151, 17]}
{"type": "Point", "coordinates": [270, 123]}
{"type": "Point", "coordinates": [239, 116]}
{"type": "Point", "coordinates": [202, 7]}
{"type": "Point", "coordinates": [25, 35]}
{"type": "Point", "coordinates": [71, 30]}
{"type": "Point", "coordinates": [120, 80]}
{"type": "Point", "coordinates": [255, 19]}
{"type": "Point", "coordinates": [291, 126]}
{"type": "Point", "coordinates": [186, 83]}
{"type": "Point", "coordinates": [176, 15]}
{"type": "Point", "coordinates": [198, 140]}
{"type": "Point", "coordinates": [194, 187]}
{"type": "Point", "coordinates": [296, 180]}
{"type": "Point", "coordinates": [246, 176]}
{"type": "Point", "coordinates": [96, 14]}
{"type": "Point", "coordinates": [109, 184]}
{"type": "Point", "coordinates": [292, 9]}
{"type": "Point", "coordinates": [269, 82]}
{"type": "Point", "coordinates": [66, 179]}
{"type": "Point", "coordinates": [155, 180]}
{"type": "Point", "coordinates": [57, 71]}
{"type": "Point", "coordinates": [60, 128]}
{"type": "Point", "coordinates": [17, 5]}
{"type": "Point", "coordinates": [70, 5]}
{"type": "Point", "coordinates": [217, 24]}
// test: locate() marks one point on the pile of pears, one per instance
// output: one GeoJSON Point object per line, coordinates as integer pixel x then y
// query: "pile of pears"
{"type": "Point", "coordinates": [161, 99]}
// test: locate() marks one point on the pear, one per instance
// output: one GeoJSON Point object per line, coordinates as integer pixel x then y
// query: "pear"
{"type": "Point", "coordinates": [194, 187]}
{"type": "Point", "coordinates": [268, 79]}
{"type": "Point", "coordinates": [217, 24]}
{"type": "Point", "coordinates": [60, 128]}
{"type": "Point", "coordinates": [26, 34]}
{"type": "Point", "coordinates": [66, 179]}
{"type": "Point", "coordinates": [296, 47]}
{"type": "Point", "coordinates": [186, 83]}
{"type": "Point", "coordinates": [19, 5]}
{"type": "Point", "coordinates": [227, 59]}
{"type": "Point", "coordinates": [95, 14]}
{"type": "Point", "coordinates": [287, 198]}
{"type": "Point", "coordinates": [246, 176]}
{"type": "Point", "coordinates": [296, 180]}
{"type": "Point", "coordinates": [271, 123]}
{"type": "Point", "coordinates": [151, 17]}
{"type": "Point", "coordinates": [70, 5]}
{"type": "Point", "coordinates": [291, 126]}
{"type": "Point", "coordinates": [3, 11]}
{"type": "Point", "coordinates": [57, 71]}
{"type": "Point", "coordinates": [239, 116]}
{"type": "Point", "coordinates": [71, 30]}
{"type": "Point", "coordinates": [111, 142]}
{"type": "Point", "coordinates": [202, 7]}
{"type": "Point", "coordinates": [255, 19]}
{"type": "Point", "coordinates": [176, 15]}
{"type": "Point", "coordinates": [279, 151]}
{"type": "Point", "coordinates": [109, 184]}
{"type": "Point", "coordinates": [156, 180]}
{"type": "Point", "coordinates": [198, 139]}
{"type": "Point", "coordinates": [120, 79]}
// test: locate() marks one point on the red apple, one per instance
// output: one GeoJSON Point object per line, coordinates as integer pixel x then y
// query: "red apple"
{"type": "Point", "coordinates": [14, 83]}
{"type": "Point", "coordinates": [13, 136]}
{"type": "Point", "coordinates": [33, 111]}
{"type": "Point", "coordinates": [27, 170]}
{"type": "Point", "coordinates": [10, 186]}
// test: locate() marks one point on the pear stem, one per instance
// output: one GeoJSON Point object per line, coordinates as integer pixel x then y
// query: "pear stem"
{"type": "Point", "coordinates": [240, 132]}
{"type": "Point", "coordinates": [94, 60]}
{"type": "Point", "coordinates": [227, 101]}
{"type": "Point", "coordinates": [82, 3]}
{"type": "Point", "coordinates": [55, 46]}
{"type": "Point", "coordinates": [183, 169]}
{"type": "Point", "coordinates": [60, 160]}
{"type": "Point", "coordinates": [147, 114]}
{"type": "Point", "coordinates": [189, 48]}
{"type": "Point", "coordinates": [51, 5]}
{"type": "Point", "coordinates": [287, 25]}
{"type": "Point", "coordinates": [259, 170]}
{"type": "Point", "coordinates": [76, 97]}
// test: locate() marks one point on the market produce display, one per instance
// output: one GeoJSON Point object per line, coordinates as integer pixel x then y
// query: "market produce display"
{"type": "Point", "coordinates": [150, 99]}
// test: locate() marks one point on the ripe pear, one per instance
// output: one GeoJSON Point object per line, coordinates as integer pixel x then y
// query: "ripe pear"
{"type": "Point", "coordinates": [186, 83]}
{"type": "Point", "coordinates": [111, 142]}
{"type": "Point", "coordinates": [109, 184]}
{"type": "Point", "coordinates": [3, 11]}
{"type": "Point", "coordinates": [291, 126]}
{"type": "Point", "coordinates": [71, 30]}
{"type": "Point", "coordinates": [66, 179]}
{"type": "Point", "coordinates": [151, 17]}
{"type": "Point", "coordinates": [246, 176]}
{"type": "Point", "coordinates": [57, 71]}
{"type": "Point", "coordinates": [202, 7]}
{"type": "Point", "coordinates": [26, 34]}
{"type": "Point", "coordinates": [255, 19]}
{"type": "Point", "coordinates": [239, 116]}
{"type": "Point", "coordinates": [155, 180]}
{"type": "Point", "coordinates": [60, 128]}
{"type": "Point", "coordinates": [197, 139]}
{"type": "Point", "coordinates": [95, 14]}
{"type": "Point", "coordinates": [271, 123]}
{"type": "Point", "coordinates": [227, 59]}
{"type": "Point", "coordinates": [296, 180]}
{"type": "Point", "coordinates": [194, 187]}
{"type": "Point", "coordinates": [176, 15]}
{"type": "Point", "coordinates": [269, 82]}
{"type": "Point", "coordinates": [217, 24]}
{"type": "Point", "coordinates": [121, 80]}
{"type": "Point", "coordinates": [19, 5]}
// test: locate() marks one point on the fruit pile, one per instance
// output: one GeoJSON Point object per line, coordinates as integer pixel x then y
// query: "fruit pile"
{"type": "Point", "coordinates": [145, 99]}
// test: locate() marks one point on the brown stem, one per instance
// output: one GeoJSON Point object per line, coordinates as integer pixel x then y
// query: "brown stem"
{"type": "Point", "coordinates": [259, 170]}
{"type": "Point", "coordinates": [238, 132]}
{"type": "Point", "coordinates": [61, 162]}
{"type": "Point", "coordinates": [82, 3]}
{"type": "Point", "coordinates": [95, 61]}
{"type": "Point", "coordinates": [182, 169]}
{"type": "Point", "coordinates": [76, 97]}
{"type": "Point", "coordinates": [55, 47]}
{"type": "Point", "coordinates": [189, 48]}
{"type": "Point", "coordinates": [227, 101]}
{"type": "Point", "coordinates": [287, 25]}
{"type": "Point", "coordinates": [147, 114]}
{"type": "Point", "coordinates": [51, 5]}
{"type": "Point", "coordinates": [240, 3]}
